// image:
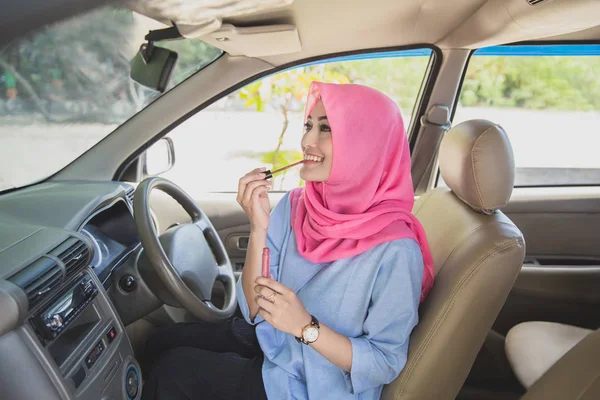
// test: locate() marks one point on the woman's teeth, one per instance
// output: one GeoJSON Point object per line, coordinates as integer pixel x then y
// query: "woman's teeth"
{"type": "Point", "coordinates": [313, 158]}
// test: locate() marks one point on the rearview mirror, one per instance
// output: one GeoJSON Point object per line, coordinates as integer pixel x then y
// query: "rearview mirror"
{"type": "Point", "coordinates": [153, 66]}
{"type": "Point", "coordinates": [159, 158]}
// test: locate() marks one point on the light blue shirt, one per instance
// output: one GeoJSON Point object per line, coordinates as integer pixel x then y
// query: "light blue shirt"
{"type": "Point", "coordinates": [371, 298]}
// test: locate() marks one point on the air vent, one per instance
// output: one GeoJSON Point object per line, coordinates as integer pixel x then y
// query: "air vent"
{"type": "Point", "coordinates": [534, 2]}
{"type": "Point", "coordinates": [74, 253]}
{"type": "Point", "coordinates": [38, 279]}
{"type": "Point", "coordinates": [129, 195]}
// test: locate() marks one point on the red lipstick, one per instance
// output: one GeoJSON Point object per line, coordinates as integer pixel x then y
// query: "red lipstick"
{"type": "Point", "coordinates": [266, 262]}
{"type": "Point", "coordinates": [270, 174]}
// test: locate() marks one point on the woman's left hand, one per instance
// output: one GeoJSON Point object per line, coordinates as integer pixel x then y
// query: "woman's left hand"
{"type": "Point", "coordinates": [280, 306]}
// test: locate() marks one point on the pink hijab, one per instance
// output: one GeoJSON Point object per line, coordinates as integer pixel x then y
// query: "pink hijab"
{"type": "Point", "coordinates": [368, 197]}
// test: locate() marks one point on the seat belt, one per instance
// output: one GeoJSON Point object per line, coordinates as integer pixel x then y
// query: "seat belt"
{"type": "Point", "coordinates": [434, 124]}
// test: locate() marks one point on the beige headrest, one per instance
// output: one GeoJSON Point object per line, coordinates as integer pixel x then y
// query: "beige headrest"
{"type": "Point", "coordinates": [477, 164]}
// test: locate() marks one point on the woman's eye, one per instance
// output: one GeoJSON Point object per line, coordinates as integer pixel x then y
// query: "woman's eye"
{"type": "Point", "coordinates": [307, 127]}
{"type": "Point", "coordinates": [325, 128]}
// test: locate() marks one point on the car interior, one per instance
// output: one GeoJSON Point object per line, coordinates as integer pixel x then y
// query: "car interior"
{"type": "Point", "coordinates": [95, 251]}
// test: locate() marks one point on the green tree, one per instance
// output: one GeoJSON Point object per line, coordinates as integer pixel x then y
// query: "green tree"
{"type": "Point", "coordinates": [536, 83]}
{"type": "Point", "coordinates": [399, 77]}
{"type": "Point", "coordinates": [78, 70]}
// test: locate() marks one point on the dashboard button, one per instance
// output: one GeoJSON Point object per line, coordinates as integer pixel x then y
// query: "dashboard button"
{"type": "Point", "coordinates": [132, 383]}
{"type": "Point", "coordinates": [111, 334]}
{"type": "Point", "coordinates": [128, 283]}
{"type": "Point", "coordinates": [94, 354]}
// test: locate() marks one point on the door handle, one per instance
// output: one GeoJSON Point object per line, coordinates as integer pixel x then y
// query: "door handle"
{"type": "Point", "coordinates": [238, 242]}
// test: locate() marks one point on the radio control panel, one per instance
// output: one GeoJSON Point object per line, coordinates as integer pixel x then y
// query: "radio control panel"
{"type": "Point", "coordinates": [55, 318]}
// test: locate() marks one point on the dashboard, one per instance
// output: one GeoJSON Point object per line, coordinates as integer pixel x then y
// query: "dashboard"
{"type": "Point", "coordinates": [112, 235]}
{"type": "Point", "coordinates": [64, 248]}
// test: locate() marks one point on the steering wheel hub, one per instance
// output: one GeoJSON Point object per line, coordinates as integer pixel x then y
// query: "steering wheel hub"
{"type": "Point", "coordinates": [192, 258]}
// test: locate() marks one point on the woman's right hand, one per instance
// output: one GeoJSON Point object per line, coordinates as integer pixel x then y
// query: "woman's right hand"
{"type": "Point", "coordinates": [253, 197]}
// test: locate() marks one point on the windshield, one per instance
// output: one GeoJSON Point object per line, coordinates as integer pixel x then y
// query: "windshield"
{"type": "Point", "coordinates": [67, 86]}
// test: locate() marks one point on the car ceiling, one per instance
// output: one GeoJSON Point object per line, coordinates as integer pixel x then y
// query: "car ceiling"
{"type": "Point", "coordinates": [350, 25]}
{"type": "Point", "coordinates": [356, 24]}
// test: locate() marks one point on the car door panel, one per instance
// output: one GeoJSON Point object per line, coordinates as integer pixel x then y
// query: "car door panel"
{"type": "Point", "coordinates": [560, 280]}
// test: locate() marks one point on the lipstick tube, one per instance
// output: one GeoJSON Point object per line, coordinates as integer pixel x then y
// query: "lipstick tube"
{"type": "Point", "coordinates": [269, 174]}
{"type": "Point", "coordinates": [266, 262]}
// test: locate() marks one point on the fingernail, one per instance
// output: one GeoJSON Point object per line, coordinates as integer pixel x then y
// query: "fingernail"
{"type": "Point", "coordinates": [262, 169]}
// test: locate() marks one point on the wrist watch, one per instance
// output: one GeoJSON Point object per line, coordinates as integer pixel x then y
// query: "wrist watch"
{"type": "Point", "coordinates": [310, 333]}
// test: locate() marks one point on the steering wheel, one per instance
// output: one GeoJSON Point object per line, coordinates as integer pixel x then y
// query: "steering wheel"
{"type": "Point", "coordinates": [188, 259]}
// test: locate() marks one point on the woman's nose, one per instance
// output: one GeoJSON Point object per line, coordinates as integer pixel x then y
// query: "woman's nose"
{"type": "Point", "coordinates": [310, 139]}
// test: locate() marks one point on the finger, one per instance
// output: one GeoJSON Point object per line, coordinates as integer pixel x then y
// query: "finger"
{"type": "Point", "coordinates": [250, 187]}
{"type": "Point", "coordinates": [238, 197]}
{"type": "Point", "coordinates": [240, 192]}
{"type": "Point", "coordinates": [257, 174]}
{"type": "Point", "coordinates": [265, 305]}
{"type": "Point", "coordinates": [253, 203]}
{"type": "Point", "coordinates": [257, 194]}
{"type": "Point", "coordinates": [245, 196]}
{"type": "Point", "coordinates": [266, 315]}
{"type": "Point", "coordinates": [255, 171]}
{"type": "Point", "coordinates": [265, 194]}
{"type": "Point", "coordinates": [272, 284]}
{"type": "Point", "coordinates": [263, 291]}
{"type": "Point", "coordinates": [244, 180]}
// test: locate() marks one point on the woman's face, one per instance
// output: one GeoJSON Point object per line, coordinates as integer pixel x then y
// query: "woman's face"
{"type": "Point", "coordinates": [317, 146]}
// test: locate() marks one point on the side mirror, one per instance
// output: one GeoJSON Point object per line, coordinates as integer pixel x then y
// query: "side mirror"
{"type": "Point", "coordinates": [159, 158]}
{"type": "Point", "coordinates": [153, 66]}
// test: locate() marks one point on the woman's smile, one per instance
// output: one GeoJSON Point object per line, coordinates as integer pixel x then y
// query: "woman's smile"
{"type": "Point", "coordinates": [311, 159]}
{"type": "Point", "coordinates": [317, 146]}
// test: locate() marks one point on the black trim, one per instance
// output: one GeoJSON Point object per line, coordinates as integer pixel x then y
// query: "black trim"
{"type": "Point", "coordinates": [171, 33]}
{"type": "Point", "coordinates": [315, 321]}
{"type": "Point", "coordinates": [558, 186]}
{"type": "Point", "coordinates": [167, 71]}
{"type": "Point", "coordinates": [551, 42]}
{"type": "Point", "coordinates": [433, 77]}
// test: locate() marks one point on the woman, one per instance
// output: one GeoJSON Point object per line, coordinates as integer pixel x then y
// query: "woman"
{"type": "Point", "coordinates": [349, 264]}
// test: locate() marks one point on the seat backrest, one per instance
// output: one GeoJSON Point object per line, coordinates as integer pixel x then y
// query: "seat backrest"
{"type": "Point", "coordinates": [477, 252]}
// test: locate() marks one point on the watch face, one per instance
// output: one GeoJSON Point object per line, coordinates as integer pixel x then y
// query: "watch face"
{"type": "Point", "coordinates": [311, 334]}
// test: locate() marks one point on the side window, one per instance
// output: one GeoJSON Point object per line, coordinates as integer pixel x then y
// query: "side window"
{"type": "Point", "coordinates": [262, 123]}
{"type": "Point", "coordinates": [547, 98]}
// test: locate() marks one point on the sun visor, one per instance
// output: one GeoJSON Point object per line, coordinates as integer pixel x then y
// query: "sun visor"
{"type": "Point", "coordinates": [195, 18]}
{"type": "Point", "coordinates": [257, 41]}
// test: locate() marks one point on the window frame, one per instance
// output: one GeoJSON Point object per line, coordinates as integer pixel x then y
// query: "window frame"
{"type": "Point", "coordinates": [429, 79]}
{"type": "Point", "coordinates": [533, 48]}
